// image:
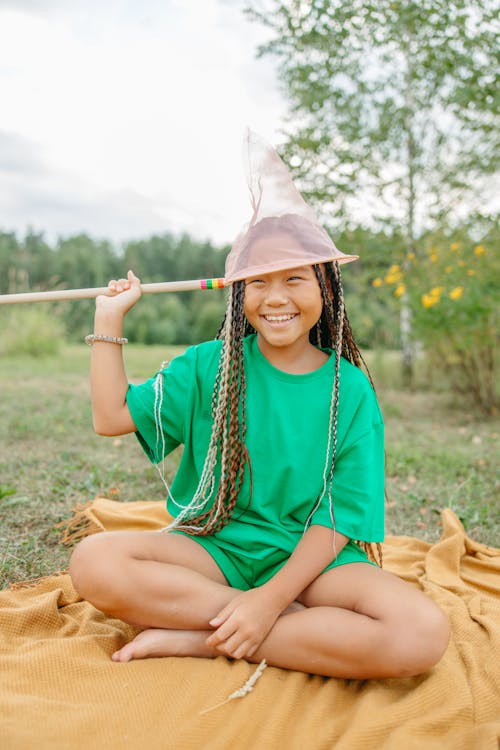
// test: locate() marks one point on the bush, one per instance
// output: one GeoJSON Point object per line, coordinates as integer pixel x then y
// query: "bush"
{"type": "Point", "coordinates": [34, 331]}
{"type": "Point", "coordinates": [452, 288]}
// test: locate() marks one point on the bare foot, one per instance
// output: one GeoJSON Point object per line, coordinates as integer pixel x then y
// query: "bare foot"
{"type": "Point", "coordinates": [162, 642]}
{"type": "Point", "coordinates": [155, 642]}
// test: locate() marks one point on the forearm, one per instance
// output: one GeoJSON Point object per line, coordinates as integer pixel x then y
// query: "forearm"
{"type": "Point", "coordinates": [310, 557]}
{"type": "Point", "coordinates": [242, 625]}
{"type": "Point", "coordinates": [108, 380]}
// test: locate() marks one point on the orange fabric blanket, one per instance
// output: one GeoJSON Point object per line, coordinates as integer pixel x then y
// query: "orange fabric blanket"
{"type": "Point", "coordinates": [60, 690]}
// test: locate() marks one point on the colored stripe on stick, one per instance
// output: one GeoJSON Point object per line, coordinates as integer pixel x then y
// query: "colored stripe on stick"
{"type": "Point", "coordinates": [212, 283]}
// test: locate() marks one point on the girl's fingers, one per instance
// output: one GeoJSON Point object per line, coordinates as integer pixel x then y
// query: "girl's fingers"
{"type": "Point", "coordinates": [244, 650]}
{"type": "Point", "coordinates": [234, 647]}
{"type": "Point", "coordinates": [223, 633]}
{"type": "Point", "coordinates": [119, 286]}
{"type": "Point", "coordinates": [216, 621]}
{"type": "Point", "coordinates": [131, 276]}
{"type": "Point", "coordinates": [116, 286]}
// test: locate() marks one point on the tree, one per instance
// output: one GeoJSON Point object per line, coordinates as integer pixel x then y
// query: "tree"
{"type": "Point", "coordinates": [393, 107]}
{"type": "Point", "coordinates": [9, 262]}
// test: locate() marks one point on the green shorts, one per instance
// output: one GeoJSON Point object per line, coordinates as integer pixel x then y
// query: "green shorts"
{"type": "Point", "coordinates": [242, 572]}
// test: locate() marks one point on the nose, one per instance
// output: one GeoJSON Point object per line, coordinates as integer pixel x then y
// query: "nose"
{"type": "Point", "coordinates": [276, 294]}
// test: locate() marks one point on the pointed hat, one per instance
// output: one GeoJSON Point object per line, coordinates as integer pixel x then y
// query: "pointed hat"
{"type": "Point", "coordinates": [284, 232]}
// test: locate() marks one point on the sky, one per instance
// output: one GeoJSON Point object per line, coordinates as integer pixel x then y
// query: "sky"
{"type": "Point", "coordinates": [122, 119]}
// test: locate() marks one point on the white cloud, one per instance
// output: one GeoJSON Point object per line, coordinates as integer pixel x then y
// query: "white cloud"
{"type": "Point", "coordinates": [140, 105]}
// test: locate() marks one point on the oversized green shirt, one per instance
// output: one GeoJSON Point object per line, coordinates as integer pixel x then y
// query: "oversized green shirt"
{"type": "Point", "coordinates": [287, 434]}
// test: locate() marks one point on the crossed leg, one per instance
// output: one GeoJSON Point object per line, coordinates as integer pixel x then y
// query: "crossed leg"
{"type": "Point", "coordinates": [353, 621]}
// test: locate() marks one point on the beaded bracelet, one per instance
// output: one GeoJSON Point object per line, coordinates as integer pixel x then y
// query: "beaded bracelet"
{"type": "Point", "coordinates": [108, 339]}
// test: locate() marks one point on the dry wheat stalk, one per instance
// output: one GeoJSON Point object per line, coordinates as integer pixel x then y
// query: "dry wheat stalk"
{"type": "Point", "coordinates": [243, 690]}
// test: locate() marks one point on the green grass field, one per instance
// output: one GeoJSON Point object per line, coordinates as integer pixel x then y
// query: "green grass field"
{"type": "Point", "coordinates": [440, 453]}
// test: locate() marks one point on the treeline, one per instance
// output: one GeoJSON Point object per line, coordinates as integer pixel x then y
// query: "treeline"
{"type": "Point", "coordinates": [30, 263]}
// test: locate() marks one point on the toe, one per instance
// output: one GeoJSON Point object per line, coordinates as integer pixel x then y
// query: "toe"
{"type": "Point", "coordinates": [123, 654]}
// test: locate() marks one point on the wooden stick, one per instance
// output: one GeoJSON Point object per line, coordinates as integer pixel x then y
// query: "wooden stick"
{"type": "Point", "coordinates": [65, 294]}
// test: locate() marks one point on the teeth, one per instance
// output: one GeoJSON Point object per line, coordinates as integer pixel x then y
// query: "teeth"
{"type": "Point", "coordinates": [278, 318]}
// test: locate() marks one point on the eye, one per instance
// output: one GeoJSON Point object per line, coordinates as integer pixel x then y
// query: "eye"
{"type": "Point", "coordinates": [295, 277]}
{"type": "Point", "coordinates": [254, 281]}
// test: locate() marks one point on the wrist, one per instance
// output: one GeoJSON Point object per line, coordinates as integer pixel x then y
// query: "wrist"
{"type": "Point", "coordinates": [91, 339]}
{"type": "Point", "coordinates": [107, 322]}
{"type": "Point", "coordinates": [280, 596]}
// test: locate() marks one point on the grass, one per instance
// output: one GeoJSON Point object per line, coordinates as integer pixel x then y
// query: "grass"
{"type": "Point", "coordinates": [439, 454]}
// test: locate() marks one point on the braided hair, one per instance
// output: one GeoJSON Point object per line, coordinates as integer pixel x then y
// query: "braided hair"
{"type": "Point", "coordinates": [212, 506]}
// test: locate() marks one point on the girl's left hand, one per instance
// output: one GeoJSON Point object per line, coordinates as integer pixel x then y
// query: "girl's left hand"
{"type": "Point", "coordinates": [244, 623]}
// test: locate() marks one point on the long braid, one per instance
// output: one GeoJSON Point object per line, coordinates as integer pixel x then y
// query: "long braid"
{"type": "Point", "coordinates": [334, 331]}
{"type": "Point", "coordinates": [233, 442]}
{"type": "Point", "coordinates": [358, 359]}
{"type": "Point", "coordinates": [227, 441]}
{"type": "Point", "coordinates": [330, 333]}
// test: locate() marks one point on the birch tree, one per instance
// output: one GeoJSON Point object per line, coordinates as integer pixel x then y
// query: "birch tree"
{"type": "Point", "coordinates": [393, 110]}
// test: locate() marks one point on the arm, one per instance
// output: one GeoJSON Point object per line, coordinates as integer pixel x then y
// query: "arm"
{"type": "Point", "coordinates": [309, 558]}
{"type": "Point", "coordinates": [108, 380]}
{"type": "Point", "coordinates": [244, 623]}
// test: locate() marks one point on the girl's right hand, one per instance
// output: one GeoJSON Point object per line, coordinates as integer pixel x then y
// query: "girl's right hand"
{"type": "Point", "coordinates": [123, 295]}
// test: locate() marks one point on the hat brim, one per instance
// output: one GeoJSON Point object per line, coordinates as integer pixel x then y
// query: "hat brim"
{"type": "Point", "coordinates": [282, 264]}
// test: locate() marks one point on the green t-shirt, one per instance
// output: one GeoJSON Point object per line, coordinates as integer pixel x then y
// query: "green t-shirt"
{"type": "Point", "coordinates": [287, 434]}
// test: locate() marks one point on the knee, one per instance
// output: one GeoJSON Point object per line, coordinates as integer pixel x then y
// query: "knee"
{"type": "Point", "coordinates": [91, 569]}
{"type": "Point", "coordinates": [420, 641]}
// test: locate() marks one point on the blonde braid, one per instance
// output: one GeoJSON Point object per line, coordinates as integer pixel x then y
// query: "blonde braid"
{"type": "Point", "coordinates": [233, 450]}
{"type": "Point", "coordinates": [333, 321]}
{"type": "Point", "coordinates": [334, 331]}
{"type": "Point", "coordinates": [228, 431]}
{"type": "Point", "coordinates": [357, 359]}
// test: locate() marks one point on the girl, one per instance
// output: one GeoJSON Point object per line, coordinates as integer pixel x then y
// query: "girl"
{"type": "Point", "coordinates": [279, 492]}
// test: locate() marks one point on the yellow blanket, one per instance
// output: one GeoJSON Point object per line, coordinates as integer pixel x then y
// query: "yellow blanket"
{"type": "Point", "coordinates": [60, 690]}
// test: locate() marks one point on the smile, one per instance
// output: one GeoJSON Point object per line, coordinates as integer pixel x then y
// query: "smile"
{"type": "Point", "coordinates": [279, 318]}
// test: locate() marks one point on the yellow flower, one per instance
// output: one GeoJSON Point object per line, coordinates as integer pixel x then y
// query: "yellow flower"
{"type": "Point", "coordinates": [457, 292]}
{"type": "Point", "coordinates": [377, 282]}
{"type": "Point", "coordinates": [448, 269]}
{"type": "Point", "coordinates": [436, 291]}
{"type": "Point", "coordinates": [471, 272]}
{"type": "Point", "coordinates": [400, 290]}
{"type": "Point", "coordinates": [434, 257]}
{"type": "Point", "coordinates": [428, 300]}
{"type": "Point", "coordinates": [454, 247]}
{"type": "Point", "coordinates": [394, 275]}
{"type": "Point", "coordinates": [479, 250]}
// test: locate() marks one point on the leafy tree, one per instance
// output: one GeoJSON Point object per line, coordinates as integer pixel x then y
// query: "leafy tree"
{"type": "Point", "coordinates": [209, 319]}
{"type": "Point", "coordinates": [159, 320]}
{"type": "Point", "coordinates": [373, 318]}
{"type": "Point", "coordinates": [84, 261]}
{"type": "Point", "coordinates": [37, 260]}
{"type": "Point", "coordinates": [81, 262]}
{"type": "Point", "coordinates": [9, 248]}
{"type": "Point", "coordinates": [393, 107]}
